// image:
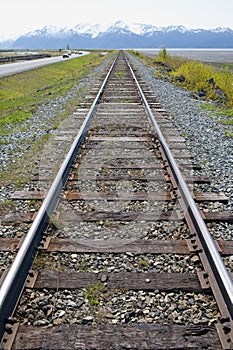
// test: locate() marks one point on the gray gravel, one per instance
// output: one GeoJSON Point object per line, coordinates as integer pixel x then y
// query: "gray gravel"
{"type": "Point", "coordinates": [48, 307]}
{"type": "Point", "coordinates": [121, 262]}
{"type": "Point", "coordinates": [199, 127]}
{"type": "Point", "coordinates": [205, 140]}
{"type": "Point", "coordinates": [205, 137]}
{"type": "Point", "coordinates": [114, 307]}
{"type": "Point", "coordinates": [35, 127]}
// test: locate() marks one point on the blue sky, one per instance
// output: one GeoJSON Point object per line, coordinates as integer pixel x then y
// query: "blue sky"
{"type": "Point", "coordinates": [21, 16]}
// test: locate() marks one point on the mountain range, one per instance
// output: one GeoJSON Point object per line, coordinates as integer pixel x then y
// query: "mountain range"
{"type": "Point", "coordinates": [121, 36]}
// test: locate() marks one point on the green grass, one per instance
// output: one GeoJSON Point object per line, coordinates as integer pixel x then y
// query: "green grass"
{"type": "Point", "coordinates": [221, 112]}
{"type": "Point", "coordinates": [20, 96]}
{"type": "Point", "coordinates": [126, 101]}
{"type": "Point", "coordinates": [93, 293]}
{"type": "Point", "coordinates": [21, 93]}
{"type": "Point", "coordinates": [228, 134]}
{"type": "Point", "coordinates": [7, 206]}
{"type": "Point", "coordinates": [120, 74]}
{"type": "Point", "coordinates": [196, 76]}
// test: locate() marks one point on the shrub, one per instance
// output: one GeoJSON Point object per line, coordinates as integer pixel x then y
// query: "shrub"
{"type": "Point", "coordinates": [198, 77]}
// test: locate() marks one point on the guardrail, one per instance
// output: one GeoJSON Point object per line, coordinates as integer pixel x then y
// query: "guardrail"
{"type": "Point", "coordinates": [23, 57]}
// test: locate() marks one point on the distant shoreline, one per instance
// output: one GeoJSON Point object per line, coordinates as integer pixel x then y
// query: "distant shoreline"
{"type": "Point", "coordinates": [206, 55]}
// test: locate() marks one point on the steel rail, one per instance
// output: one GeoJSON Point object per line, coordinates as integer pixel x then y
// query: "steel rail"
{"type": "Point", "coordinates": [13, 283]}
{"type": "Point", "coordinates": [222, 277]}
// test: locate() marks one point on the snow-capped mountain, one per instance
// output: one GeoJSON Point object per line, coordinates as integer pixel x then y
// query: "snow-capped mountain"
{"type": "Point", "coordinates": [121, 35]}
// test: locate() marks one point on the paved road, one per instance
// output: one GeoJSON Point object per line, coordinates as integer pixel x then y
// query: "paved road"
{"type": "Point", "coordinates": [13, 68]}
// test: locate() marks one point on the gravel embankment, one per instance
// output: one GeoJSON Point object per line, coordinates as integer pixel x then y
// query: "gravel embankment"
{"type": "Point", "coordinates": [206, 141]}
{"type": "Point", "coordinates": [204, 135]}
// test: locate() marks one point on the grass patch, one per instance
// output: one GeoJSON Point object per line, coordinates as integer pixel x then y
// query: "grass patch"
{"type": "Point", "coordinates": [7, 206]}
{"type": "Point", "coordinates": [228, 134]}
{"type": "Point", "coordinates": [225, 112]}
{"type": "Point", "coordinates": [42, 262]}
{"type": "Point", "coordinates": [21, 93]}
{"type": "Point", "coordinates": [126, 101]}
{"type": "Point", "coordinates": [17, 172]}
{"type": "Point", "coordinates": [222, 112]}
{"type": "Point", "coordinates": [120, 74]}
{"type": "Point", "coordinates": [94, 292]}
{"type": "Point", "coordinates": [226, 122]}
{"type": "Point", "coordinates": [209, 107]}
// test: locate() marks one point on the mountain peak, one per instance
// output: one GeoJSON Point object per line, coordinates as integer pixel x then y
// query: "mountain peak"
{"type": "Point", "coordinates": [122, 35]}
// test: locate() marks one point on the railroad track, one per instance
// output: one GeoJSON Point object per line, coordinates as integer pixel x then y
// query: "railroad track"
{"type": "Point", "coordinates": [118, 252]}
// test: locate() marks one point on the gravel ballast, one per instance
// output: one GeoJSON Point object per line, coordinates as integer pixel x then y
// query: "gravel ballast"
{"type": "Point", "coordinates": [206, 141]}
{"type": "Point", "coordinates": [205, 137]}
